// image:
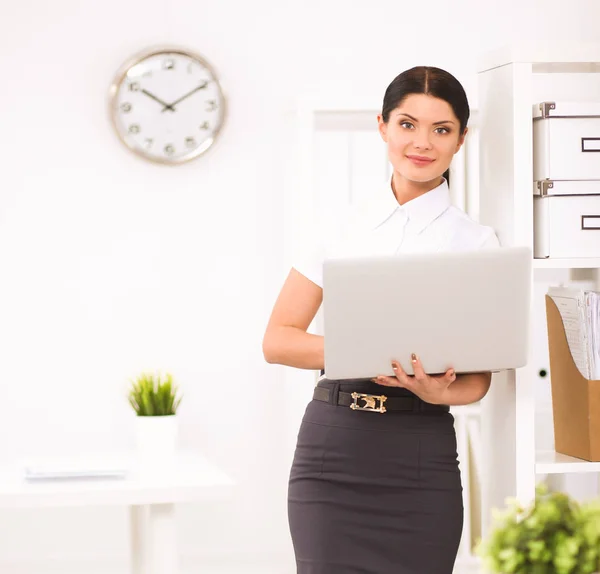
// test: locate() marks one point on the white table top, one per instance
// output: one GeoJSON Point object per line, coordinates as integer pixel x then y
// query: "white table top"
{"type": "Point", "coordinates": [190, 477]}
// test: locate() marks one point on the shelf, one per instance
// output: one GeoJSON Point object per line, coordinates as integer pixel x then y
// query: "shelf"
{"type": "Point", "coordinates": [510, 81]}
{"type": "Point", "coordinates": [550, 462]}
{"type": "Point", "coordinates": [540, 53]}
{"type": "Point", "coordinates": [578, 263]}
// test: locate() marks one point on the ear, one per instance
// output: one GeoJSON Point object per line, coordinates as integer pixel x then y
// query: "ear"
{"type": "Point", "coordinates": [461, 140]}
{"type": "Point", "coordinates": [382, 127]}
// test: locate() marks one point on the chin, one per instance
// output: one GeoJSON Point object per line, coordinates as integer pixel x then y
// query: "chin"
{"type": "Point", "coordinates": [420, 175]}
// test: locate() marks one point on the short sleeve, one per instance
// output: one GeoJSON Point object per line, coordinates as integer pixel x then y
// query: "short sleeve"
{"type": "Point", "coordinates": [309, 257]}
{"type": "Point", "coordinates": [490, 239]}
{"type": "Point", "coordinates": [325, 240]}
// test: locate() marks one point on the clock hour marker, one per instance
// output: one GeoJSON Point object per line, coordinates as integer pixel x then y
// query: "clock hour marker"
{"type": "Point", "coordinates": [205, 126]}
{"type": "Point", "coordinates": [134, 129]}
{"type": "Point", "coordinates": [134, 87]}
{"type": "Point", "coordinates": [169, 149]}
{"type": "Point", "coordinates": [169, 64]}
{"type": "Point", "coordinates": [212, 105]}
{"type": "Point", "coordinates": [190, 142]}
{"type": "Point", "coordinates": [148, 142]}
{"type": "Point", "coordinates": [126, 107]}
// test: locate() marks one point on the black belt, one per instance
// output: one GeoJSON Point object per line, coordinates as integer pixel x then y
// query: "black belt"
{"type": "Point", "coordinates": [377, 403]}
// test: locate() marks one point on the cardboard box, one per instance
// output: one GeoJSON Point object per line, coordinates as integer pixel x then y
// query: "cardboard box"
{"type": "Point", "coordinates": [575, 399]}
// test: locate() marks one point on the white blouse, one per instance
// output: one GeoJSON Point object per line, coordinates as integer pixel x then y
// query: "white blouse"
{"type": "Point", "coordinates": [382, 226]}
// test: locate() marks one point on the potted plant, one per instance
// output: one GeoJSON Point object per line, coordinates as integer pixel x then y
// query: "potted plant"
{"type": "Point", "coordinates": [553, 535]}
{"type": "Point", "coordinates": [155, 401]}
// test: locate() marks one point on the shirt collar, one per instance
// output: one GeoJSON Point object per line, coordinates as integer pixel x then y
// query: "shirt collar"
{"type": "Point", "coordinates": [421, 211]}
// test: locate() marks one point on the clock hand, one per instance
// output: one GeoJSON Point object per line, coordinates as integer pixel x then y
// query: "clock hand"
{"type": "Point", "coordinates": [171, 106]}
{"type": "Point", "coordinates": [166, 106]}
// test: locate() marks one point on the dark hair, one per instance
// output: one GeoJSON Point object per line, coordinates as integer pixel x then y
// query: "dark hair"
{"type": "Point", "coordinates": [432, 82]}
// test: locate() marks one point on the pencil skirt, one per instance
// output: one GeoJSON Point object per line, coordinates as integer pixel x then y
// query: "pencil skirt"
{"type": "Point", "coordinates": [373, 493]}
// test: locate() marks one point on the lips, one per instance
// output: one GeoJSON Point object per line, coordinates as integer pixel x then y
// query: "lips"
{"type": "Point", "coordinates": [420, 160]}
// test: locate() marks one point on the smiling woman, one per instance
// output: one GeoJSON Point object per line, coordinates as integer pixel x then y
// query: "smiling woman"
{"type": "Point", "coordinates": [424, 125]}
{"type": "Point", "coordinates": [378, 490]}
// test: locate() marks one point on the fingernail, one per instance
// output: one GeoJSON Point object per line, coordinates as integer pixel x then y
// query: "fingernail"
{"type": "Point", "coordinates": [414, 358]}
{"type": "Point", "coordinates": [452, 373]}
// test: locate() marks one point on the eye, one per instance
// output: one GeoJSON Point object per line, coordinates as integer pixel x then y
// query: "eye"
{"type": "Point", "coordinates": [406, 125]}
{"type": "Point", "coordinates": [442, 130]}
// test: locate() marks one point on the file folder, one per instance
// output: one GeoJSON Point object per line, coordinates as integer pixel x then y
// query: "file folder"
{"type": "Point", "coordinates": [575, 399]}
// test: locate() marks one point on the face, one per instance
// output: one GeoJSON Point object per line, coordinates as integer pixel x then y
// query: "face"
{"type": "Point", "coordinates": [422, 136]}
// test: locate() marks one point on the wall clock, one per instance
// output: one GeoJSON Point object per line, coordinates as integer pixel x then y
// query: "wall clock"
{"type": "Point", "coordinates": [167, 105]}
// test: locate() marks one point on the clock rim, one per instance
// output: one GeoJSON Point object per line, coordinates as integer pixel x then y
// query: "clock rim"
{"type": "Point", "coordinates": [136, 59]}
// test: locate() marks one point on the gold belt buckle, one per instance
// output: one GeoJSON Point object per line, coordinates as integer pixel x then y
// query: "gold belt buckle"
{"type": "Point", "coordinates": [369, 402]}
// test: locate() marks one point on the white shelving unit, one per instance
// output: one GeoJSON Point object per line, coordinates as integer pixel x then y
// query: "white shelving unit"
{"type": "Point", "coordinates": [510, 82]}
{"type": "Point", "coordinates": [586, 263]}
{"type": "Point", "coordinates": [551, 462]}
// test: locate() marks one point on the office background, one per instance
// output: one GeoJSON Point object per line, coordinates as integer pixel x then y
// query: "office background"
{"type": "Point", "coordinates": [112, 265]}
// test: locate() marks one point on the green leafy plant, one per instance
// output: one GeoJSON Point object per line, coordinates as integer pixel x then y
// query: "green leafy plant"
{"type": "Point", "coordinates": [553, 535]}
{"type": "Point", "coordinates": [152, 396]}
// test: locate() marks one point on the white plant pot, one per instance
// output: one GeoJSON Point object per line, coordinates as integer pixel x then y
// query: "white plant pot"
{"type": "Point", "coordinates": [156, 440]}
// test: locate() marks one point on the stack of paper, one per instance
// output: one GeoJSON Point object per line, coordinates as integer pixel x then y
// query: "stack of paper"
{"type": "Point", "coordinates": [51, 467]}
{"type": "Point", "coordinates": [580, 313]}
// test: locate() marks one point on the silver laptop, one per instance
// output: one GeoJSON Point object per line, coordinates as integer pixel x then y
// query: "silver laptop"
{"type": "Point", "coordinates": [467, 310]}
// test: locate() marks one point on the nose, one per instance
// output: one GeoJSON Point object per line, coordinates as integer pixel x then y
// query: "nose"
{"type": "Point", "coordinates": [422, 140]}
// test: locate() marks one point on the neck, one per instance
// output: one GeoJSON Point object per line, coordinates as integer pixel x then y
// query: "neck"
{"type": "Point", "coordinates": [405, 190]}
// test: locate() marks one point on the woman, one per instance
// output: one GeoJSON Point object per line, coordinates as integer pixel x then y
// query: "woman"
{"type": "Point", "coordinates": [372, 493]}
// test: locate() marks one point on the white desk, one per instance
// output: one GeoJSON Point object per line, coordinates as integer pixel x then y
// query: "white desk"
{"type": "Point", "coordinates": [150, 494]}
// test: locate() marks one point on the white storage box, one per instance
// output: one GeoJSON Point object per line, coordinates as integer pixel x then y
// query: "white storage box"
{"type": "Point", "coordinates": [566, 141]}
{"type": "Point", "coordinates": [566, 219]}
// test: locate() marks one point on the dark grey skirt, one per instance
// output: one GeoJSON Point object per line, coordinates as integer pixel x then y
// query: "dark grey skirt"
{"type": "Point", "coordinates": [374, 493]}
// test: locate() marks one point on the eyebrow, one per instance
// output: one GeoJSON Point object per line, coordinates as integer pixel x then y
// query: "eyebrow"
{"type": "Point", "coordinates": [434, 123]}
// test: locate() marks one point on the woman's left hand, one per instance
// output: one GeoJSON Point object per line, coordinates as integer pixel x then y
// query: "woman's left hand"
{"type": "Point", "coordinates": [427, 388]}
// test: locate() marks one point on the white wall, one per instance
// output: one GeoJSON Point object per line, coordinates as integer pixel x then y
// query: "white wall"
{"type": "Point", "coordinates": [111, 265]}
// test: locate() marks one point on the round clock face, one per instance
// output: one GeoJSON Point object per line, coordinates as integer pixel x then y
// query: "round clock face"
{"type": "Point", "coordinates": [167, 105]}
